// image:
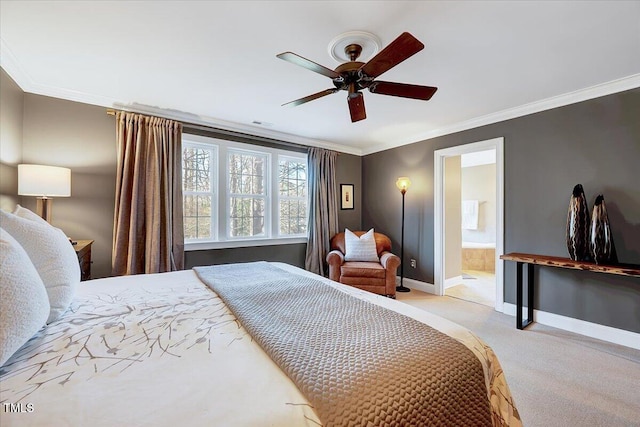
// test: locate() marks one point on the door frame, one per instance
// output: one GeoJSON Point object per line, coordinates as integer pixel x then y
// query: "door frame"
{"type": "Point", "coordinates": [439, 211]}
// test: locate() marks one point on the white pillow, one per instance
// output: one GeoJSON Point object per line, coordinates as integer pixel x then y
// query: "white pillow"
{"type": "Point", "coordinates": [24, 305]}
{"type": "Point", "coordinates": [53, 256]}
{"type": "Point", "coordinates": [361, 248]}
{"type": "Point", "coordinates": [27, 214]}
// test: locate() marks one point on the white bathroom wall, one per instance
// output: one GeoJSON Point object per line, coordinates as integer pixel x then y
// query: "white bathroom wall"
{"type": "Point", "coordinates": [479, 183]}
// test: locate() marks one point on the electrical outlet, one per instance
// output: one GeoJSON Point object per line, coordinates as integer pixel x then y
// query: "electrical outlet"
{"type": "Point", "coordinates": [414, 264]}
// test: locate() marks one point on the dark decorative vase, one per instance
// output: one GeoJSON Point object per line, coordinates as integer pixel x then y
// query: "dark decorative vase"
{"type": "Point", "coordinates": [601, 242]}
{"type": "Point", "coordinates": [578, 225]}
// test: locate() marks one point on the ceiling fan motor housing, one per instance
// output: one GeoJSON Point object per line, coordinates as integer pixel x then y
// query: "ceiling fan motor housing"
{"type": "Point", "coordinates": [351, 76]}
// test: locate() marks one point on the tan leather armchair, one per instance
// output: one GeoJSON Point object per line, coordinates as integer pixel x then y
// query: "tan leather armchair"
{"type": "Point", "coordinates": [376, 277]}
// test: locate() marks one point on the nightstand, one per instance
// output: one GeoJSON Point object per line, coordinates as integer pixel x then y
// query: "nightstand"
{"type": "Point", "coordinates": [83, 250]}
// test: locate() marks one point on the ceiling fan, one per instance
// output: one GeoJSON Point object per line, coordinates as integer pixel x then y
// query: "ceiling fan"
{"type": "Point", "coordinates": [353, 76]}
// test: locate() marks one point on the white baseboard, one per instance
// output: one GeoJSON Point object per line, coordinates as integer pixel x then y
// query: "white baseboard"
{"type": "Point", "coordinates": [452, 281]}
{"type": "Point", "coordinates": [582, 327]}
{"type": "Point", "coordinates": [593, 330]}
{"type": "Point", "coordinates": [419, 286]}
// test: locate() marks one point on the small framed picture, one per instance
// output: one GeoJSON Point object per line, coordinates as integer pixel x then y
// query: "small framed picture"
{"type": "Point", "coordinates": [346, 199]}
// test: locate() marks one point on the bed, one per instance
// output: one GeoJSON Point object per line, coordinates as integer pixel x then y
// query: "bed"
{"type": "Point", "coordinates": [165, 349]}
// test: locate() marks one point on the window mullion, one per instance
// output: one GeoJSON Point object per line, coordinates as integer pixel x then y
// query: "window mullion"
{"type": "Point", "coordinates": [213, 172]}
{"type": "Point", "coordinates": [224, 190]}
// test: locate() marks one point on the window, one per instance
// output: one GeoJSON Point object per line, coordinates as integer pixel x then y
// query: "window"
{"type": "Point", "coordinates": [292, 182]}
{"type": "Point", "coordinates": [238, 194]}
{"type": "Point", "coordinates": [247, 193]}
{"type": "Point", "coordinates": [199, 190]}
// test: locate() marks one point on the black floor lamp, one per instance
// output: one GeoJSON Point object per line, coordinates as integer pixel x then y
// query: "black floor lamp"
{"type": "Point", "coordinates": [403, 184]}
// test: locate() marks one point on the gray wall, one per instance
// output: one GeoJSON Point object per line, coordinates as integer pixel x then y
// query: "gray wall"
{"type": "Point", "coordinates": [349, 171]}
{"type": "Point", "coordinates": [51, 131]}
{"type": "Point", "coordinates": [293, 254]}
{"type": "Point", "coordinates": [11, 117]}
{"type": "Point", "coordinates": [595, 143]}
{"type": "Point", "coordinates": [82, 138]}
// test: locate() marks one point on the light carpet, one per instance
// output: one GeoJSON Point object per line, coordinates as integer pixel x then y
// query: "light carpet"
{"type": "Point", "coordinates": [557, 378]}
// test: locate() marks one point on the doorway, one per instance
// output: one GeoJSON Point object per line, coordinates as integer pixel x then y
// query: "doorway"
{"type": "Point", "coordinates": [468, 225]}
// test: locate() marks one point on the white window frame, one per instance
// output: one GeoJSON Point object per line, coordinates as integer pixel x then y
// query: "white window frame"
{"type": "Point", "coordinates": [213, 179]}
{"type": "Point", "coordinates": [222, 237]}
{"type": "Point", "coordinates": [276, 186]}
{"type": "Point", "coordinates": [267, 196]}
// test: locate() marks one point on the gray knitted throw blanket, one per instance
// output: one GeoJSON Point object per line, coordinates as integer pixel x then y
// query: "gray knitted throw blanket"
{"type": "Point", "coordinates": [357, 363]}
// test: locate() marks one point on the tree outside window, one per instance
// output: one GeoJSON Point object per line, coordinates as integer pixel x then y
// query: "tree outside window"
{"type": "Point", "coordinates": [247, 195]}
{"type": "Point", "coordinates": [198, 191]}
{"type": "Point", "coordinates": [236, 191]}
{"type": "Point", "coordinates": [292, 179]}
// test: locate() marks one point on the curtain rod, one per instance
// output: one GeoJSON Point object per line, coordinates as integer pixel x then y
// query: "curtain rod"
{"type": "Point", "coordinates": [257, 138]}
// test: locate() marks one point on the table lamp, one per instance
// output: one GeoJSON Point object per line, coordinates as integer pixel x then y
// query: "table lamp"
{"type": "Point", "coordinates": [44, 182]}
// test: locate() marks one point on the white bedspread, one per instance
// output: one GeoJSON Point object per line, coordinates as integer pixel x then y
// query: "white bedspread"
{"type": "Point", "coordinates": [163, 350]}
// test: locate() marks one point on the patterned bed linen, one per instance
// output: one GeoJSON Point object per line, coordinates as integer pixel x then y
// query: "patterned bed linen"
{"type": "Point", "coordinates": [155, 350]}
{"type": "Point", "coordinates": [147, 350]}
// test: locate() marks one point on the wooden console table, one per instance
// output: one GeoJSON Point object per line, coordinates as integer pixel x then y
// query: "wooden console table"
{"type": "Point", "coordinates": [552, 261]}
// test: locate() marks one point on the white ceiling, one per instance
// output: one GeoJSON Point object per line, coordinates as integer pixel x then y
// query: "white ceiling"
{"type": "Point", "coordinates": [215, 62]}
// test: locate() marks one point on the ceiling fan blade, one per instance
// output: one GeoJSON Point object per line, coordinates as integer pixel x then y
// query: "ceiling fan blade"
{"type": "Point", "coordinates": [308, 64]}
{"type": "Point", "coordinates": [403, 90]}
{"type": "Point", "coordinates": [310, 97]}
{"type": "Point", "coordinates": [356, 106]}
{"type": "Point", "coordinates": [397, 51]}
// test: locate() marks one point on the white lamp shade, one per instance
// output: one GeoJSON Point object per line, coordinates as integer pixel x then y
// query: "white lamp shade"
{"type": "Point", "coordinates": [48, 181]}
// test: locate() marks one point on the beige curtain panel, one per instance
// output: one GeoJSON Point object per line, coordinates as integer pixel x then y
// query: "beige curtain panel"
{"type": "Point", "coordinates": [323, 207]}
{"type": "Point", "coordinates": [148, 236]}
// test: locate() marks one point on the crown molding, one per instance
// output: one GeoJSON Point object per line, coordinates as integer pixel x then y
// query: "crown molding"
{"type": "Point", "coordinates": [603, 89]}
{"type": "Point", "coordinates": [10, 64]}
